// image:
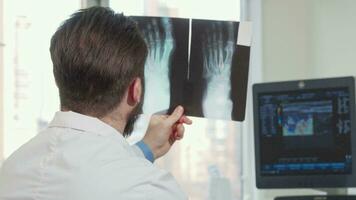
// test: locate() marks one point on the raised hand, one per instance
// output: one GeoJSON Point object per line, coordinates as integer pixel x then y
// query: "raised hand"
{"type": "Point", "coordinates": [164, 130]}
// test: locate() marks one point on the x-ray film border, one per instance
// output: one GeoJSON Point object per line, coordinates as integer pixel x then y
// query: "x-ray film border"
{"type": "Point", "coordinates": [245, 34]}
{"type": "Point", "coordinates": [189, 46]}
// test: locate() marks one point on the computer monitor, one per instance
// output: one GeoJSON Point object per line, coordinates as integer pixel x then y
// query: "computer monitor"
{"type": "Point", "coordinates": [305, 133]}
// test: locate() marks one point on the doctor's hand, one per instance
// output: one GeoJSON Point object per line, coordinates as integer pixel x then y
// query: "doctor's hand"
{"type": "Point", "coordinates": [164, 130]}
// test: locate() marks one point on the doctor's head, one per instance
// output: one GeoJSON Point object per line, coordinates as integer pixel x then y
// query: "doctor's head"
{"type": "Point", "coordinates": [98, 63]}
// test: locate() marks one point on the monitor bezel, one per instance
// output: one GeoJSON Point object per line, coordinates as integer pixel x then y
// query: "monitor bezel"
{"type": "Point", "coordinates": [304, 181]}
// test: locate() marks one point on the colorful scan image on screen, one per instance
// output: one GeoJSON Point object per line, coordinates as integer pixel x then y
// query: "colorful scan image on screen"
{"type": "Point", "coordinates": [305, 132]}
{"type": "Point", "coordinates": [306, 118]}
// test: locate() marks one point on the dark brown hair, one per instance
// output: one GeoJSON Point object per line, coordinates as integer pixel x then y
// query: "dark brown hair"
{"type": "Point", "coordinates": [96, 54]}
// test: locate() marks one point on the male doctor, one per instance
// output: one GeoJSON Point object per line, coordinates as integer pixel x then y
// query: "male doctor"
{"type": "Point", "coordinates": [98, 64]}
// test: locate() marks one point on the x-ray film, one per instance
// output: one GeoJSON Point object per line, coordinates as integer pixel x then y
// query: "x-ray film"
{"type": "Point", "coordinates": [167, 62]}
{"type": "Point", "coordinates": [195, 63]}
{"type": "Point", "coordinates": [218, 71]}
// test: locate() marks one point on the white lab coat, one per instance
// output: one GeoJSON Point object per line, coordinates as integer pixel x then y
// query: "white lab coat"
{"type": "Point", "coordinates": [81, 158]}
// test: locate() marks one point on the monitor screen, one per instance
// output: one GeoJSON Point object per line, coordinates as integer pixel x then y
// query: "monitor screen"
{"type": "Point", "coordinates": [305, 132]}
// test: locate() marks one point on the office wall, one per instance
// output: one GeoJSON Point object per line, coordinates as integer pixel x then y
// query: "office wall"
{"type": "Point", "coordinates": [333, 38]}
{"type": "Point", "coordinates": [285, 39]}
{"type": "Point", "coordinates": [307, 39]}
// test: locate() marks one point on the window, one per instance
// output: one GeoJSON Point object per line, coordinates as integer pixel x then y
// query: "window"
{"type": "Point", "coordinates": [201, 9]}
{"type": "Point", "coordinates": [30, 94]}
{"type": "Point", "coordinates": [206, 163]}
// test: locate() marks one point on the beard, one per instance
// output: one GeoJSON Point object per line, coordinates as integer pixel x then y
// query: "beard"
{"type": "Point", "coordinates": [134, 115]}
{"type": "Point", "coordinates": [130, 124]}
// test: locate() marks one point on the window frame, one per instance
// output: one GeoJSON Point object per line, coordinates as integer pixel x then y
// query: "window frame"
{"type": "Point", "coordinates": [2, 45]}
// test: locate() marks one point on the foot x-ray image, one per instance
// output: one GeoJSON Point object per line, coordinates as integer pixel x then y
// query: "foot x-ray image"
{"type": "Point", "coordinates": [197, 64]}
{"type": "Point", "coordinates": [218, 71]}
{"type": "Point", "coordinates": [167, 62]}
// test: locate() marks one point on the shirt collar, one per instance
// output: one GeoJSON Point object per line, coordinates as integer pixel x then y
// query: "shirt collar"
{"type": "Point", "coordinates": [80, 122]}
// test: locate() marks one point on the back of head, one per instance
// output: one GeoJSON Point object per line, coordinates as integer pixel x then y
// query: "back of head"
{"type": "Point", "coordinates": [96, 54]}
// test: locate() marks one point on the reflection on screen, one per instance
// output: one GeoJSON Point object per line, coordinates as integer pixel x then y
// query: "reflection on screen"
{"type": "Point", "coordinates": [305, 132]}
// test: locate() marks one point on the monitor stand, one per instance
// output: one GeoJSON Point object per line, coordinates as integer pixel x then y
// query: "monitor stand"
{"type": "Point", "coordinates": [333, 191]}
{"type": "Point", "coordinates": [330, 194]}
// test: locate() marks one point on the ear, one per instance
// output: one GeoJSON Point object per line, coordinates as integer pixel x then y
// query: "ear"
{"type": "Point", "coordinates": [134, 92]}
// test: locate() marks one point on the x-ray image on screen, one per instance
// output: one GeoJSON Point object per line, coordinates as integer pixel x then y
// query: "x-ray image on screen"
{"type": "Point", "coordinates": [167, 40]}
{"type": "Point", "coordinates": [217, 71]}
{"type": "Point", "coordinates": [197, 64]}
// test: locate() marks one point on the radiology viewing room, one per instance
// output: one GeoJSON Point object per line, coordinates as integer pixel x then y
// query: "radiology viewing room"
{"type": "Point", "coordinates": [177, 99]}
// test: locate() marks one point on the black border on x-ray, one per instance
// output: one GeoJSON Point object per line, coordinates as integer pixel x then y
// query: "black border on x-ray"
{"type": "Point", "coordinates": [239, 81]}
{"type": "Point", "coordinates": [179, 64]}
{"type": "Point", "coordinates": [196, 85]}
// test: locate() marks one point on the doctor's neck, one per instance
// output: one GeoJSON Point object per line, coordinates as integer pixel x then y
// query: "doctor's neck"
{"type": "Point", "coordinates": [114, 119]}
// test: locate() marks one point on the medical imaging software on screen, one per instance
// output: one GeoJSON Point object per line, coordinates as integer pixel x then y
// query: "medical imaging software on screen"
{"type": "Point", "coordinates": [305, 132]}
